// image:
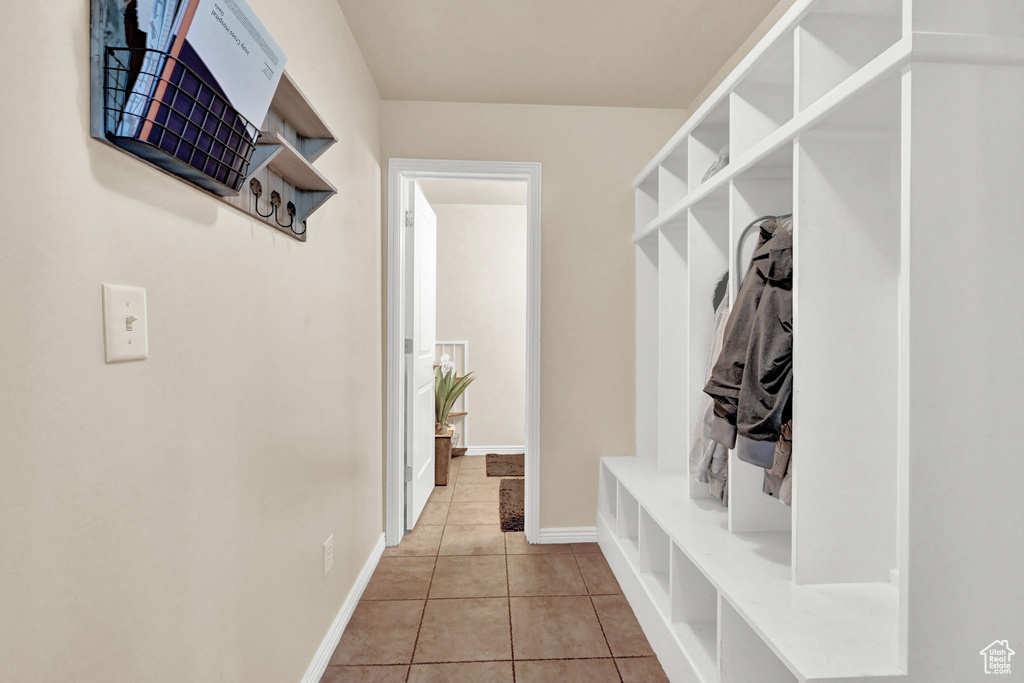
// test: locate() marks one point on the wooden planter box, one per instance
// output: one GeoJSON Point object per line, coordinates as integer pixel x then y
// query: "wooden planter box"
{"type": "Point", "coordinates": [442, 459]}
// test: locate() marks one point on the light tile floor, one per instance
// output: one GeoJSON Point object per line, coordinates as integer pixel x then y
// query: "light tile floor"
{"type": "Point", "coordinates": [460, 600]}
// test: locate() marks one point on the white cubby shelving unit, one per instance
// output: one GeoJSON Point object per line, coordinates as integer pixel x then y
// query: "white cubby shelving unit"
{"type": "Point", "coordinates": [891, 129]}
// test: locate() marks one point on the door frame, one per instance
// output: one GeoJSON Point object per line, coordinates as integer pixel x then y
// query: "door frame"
{"type": "Point", "coordinates": [400, 171]}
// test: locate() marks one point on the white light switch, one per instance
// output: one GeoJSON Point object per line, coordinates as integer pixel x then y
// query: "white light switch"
{"type": "Point", "coordinates": [124, 323]}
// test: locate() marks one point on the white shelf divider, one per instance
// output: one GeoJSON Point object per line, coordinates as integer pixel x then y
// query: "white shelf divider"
{"type": "Point", "coordinates": [647, 325]}
{"type": "Point", "coordinates": [655, 553]}
{"type": "Point", "coordinates": [673, 179]}
{"type": "Point", "coordinates": [708, 237]}
{"type": "Point", "coordinates": [608, 496]}
{"type": "Point", "coordinates": [647, 206]}
{"type": "Point", "coordinates": [673, 349]}
{"type": "Point", "coordinates": [845, 404]}
{"type": "Point", "coordinates": [744, 656]}
{"type": "Point", "coordinates": [628, 524]}
{"type": "Point", "coordinates": [695, 615]}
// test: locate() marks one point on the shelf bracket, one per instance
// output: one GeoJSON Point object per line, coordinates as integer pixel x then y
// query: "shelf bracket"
{"type": "Point", "coordinates": [262, 156]}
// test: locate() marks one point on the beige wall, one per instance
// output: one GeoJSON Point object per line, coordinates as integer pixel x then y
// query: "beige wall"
{"type": "Point", "coordinates": [481, 298]}
{"type": "Point", "coordinates": [162, 521]}
{"type": "Point", "coordinates": [590, 156]}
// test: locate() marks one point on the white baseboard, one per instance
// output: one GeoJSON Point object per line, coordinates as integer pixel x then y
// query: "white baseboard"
{"type": "Point", "coordinates": [501, 450]}
{"type": "Point", "coordinates": [568, 534]}
{"type": "Point", "coordinates": [323, 654]}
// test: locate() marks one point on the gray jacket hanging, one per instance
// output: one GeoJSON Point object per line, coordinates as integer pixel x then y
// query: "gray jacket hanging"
{"type": "Point", "coordinates": [727, 373]}
{"type": "Point", "coordinates": [752, 380]}
{"type": "Point", "coordinates": [768, 373]}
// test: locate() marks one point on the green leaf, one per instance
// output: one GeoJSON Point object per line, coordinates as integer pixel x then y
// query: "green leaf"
{"type": "Point", "coordinates": [447, 390]}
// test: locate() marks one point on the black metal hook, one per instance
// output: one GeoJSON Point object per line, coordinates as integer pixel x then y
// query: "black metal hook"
{"type": "Point", "coordinates": [256, 187]}
{"type": "Point", "coordinates": [290, 208]}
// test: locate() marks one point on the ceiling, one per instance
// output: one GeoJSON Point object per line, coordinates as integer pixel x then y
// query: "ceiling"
{"type": "Point", "coordinates": [619, 53]}
{"type": "Point", "coordinates": [494, 192]}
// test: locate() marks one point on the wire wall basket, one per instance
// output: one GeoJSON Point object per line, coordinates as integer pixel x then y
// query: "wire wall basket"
{"type": "Point", "coordinates": [160, 109]}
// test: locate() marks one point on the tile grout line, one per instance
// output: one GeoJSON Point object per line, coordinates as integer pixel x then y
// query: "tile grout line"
{"type": "Point", "coordinates": [598, 617]}
{"type": "Point", "coordinates": [513, 660]}
{"type": "Point", "coordinates": [508, 584]}
{"type": "Point", "coordinates": [416, 641]}
{"type": "Point", "coordinates": [430, 583]}
{"type": "Point", "coordinates": [471, 597]}
{"type": "Point", "coordinates": [444, 525]}
{"type": "Point", "coordinates": [437, 555]}
{"type": "Point", "coordinates": [506, 554]}
{"type": "Point", "coordinates": [508, 593]}
{"type": "Point", "coordinates": [485, 661]}
{"type": "Point", "coordinates": [489, 661]}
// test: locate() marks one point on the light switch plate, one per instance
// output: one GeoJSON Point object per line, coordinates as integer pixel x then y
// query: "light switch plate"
{"type": "Point", "coordinates": [124, 323]}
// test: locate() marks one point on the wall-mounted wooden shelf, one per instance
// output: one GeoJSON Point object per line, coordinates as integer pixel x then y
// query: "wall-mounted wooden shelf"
{"type": "Point", "coordinates": [294, 107]}
{"type": "Point", "coordinates": [292, 137]}
{"type": "Point", "coordinates": [282, 158]}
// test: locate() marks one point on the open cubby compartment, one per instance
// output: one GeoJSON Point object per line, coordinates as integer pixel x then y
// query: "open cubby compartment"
{"type": "Point", "coordinates": [763, 101]}
{"type": "Point", "coordinates": [744, 656]}
{"type": "Point", "coordinates": [647, 347]}
{"type": "Point", "coordinates": [607, 497]}
{"type": "Point", "coordinates": [655, 552]}
{"type": "Point", "coordinates": [708, 140]}
{"type": "Point", "coordinates": [627, 524]}
{"type": "Point", "coordinates": [992, 18]}
{"type": "Point", "coordinates": [647, 206]}
{"type": "Point", "coordinates": [673, 181]}
{"type": "Point", "coordinates": [818, 632]}
{"type": "Point", "coordinates": [708, 247]}
{"type": "Point", "coordinates": [694, 616]}
{"type": "Point", "coordinates": [839, 37]}
{"type": "Point", "coordinates": [847, 286]}
{"type": "Point", "coordinates": [673, 341]}
{"type": "Point", "coordinates": [762, 190]}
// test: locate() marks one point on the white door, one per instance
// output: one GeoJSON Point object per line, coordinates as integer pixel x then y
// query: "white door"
{"type": "Point", "coordinates": [421, 323]}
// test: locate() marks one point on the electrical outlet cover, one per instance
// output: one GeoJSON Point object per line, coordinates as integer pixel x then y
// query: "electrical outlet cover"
{"type": "Point", "coordinates": [328, 554]}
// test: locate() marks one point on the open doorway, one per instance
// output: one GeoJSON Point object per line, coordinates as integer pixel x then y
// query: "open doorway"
{"type": "Point", "coordinates": [463, 288]}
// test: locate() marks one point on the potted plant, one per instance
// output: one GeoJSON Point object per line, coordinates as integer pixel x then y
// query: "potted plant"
{"type": "Point", "coordinates": [447, 389]}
